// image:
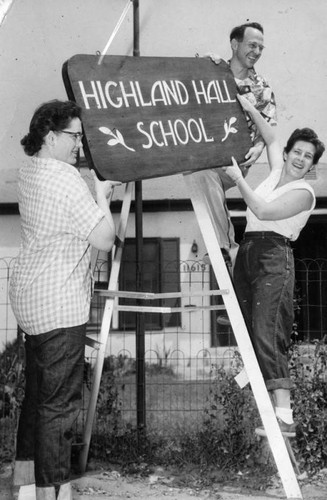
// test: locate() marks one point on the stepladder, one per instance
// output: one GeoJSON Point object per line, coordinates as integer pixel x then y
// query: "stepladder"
{"type": "Point", "coordinates": [278, 446]}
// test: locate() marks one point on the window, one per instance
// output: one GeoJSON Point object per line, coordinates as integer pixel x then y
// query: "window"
{"type": "Point", "coordinates": [101, 280]}
{"type": "Point", "coordinates": [161, 274]}
{"type": "Point", "coordinates": [221, 332]}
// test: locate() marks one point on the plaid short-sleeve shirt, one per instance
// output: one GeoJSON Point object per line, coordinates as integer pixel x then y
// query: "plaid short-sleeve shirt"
{"type": "Point", "coordinates": [258, 91]}
{"type": "Point", "coordinates": [51, 282]}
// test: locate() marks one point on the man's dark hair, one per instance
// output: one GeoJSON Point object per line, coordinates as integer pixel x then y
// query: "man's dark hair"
{"type": "Point", "coordinates": [238, 31]}
{"type": "Point", "coordinates": [53, 115]}
{"type": "Point", "coordinates": [306, 135]}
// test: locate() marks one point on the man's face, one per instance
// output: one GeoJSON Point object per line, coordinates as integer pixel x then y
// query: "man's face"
{"type": "Point", "coordinates": [249, 51]}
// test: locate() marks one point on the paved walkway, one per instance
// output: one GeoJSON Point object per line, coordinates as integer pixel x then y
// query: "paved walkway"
{"type": "Point", "coordinates": [98, 485]}
{"type": "Point", "coordinates": [113, 486]}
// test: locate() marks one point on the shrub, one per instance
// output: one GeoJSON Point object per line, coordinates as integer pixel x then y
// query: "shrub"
{"type": "Point", "coordinates": [223, 434]}
{"type": "Point", "coordinates": [231, 418]}
{"type": "Point", "coordinates": [108, 410]}
{"type": "Point", "coordinates": [12, 382]}
{"type": "Point", "coordinates": [309, 395]}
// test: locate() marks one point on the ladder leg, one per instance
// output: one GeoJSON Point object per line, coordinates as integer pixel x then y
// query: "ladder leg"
{"type": "Point", "coordinates": [291, 454]}
{"type": "Point", "coordinates": [274, 435]}
{"type": "Point", "coordinates": [104, 333]}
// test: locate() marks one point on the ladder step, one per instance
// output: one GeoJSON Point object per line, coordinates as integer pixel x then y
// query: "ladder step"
{"type": "Point", "coordinates": [291, 454]}
{"type": "Point", "coordinates": [155, 296]}
{"type": "Point", "coordinates": [165, 310]}
{"type": "Point", "coordinates": [92, 342]}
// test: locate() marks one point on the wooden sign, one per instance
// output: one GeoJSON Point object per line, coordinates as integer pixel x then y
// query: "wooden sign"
{"type": "Point", "coordinates": [149, 117]}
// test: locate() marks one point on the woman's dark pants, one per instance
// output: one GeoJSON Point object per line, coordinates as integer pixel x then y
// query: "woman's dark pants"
{"type": "Point", "coordinates": [264, 284]}
{"type": "Point", "coordinates": [53, 395]}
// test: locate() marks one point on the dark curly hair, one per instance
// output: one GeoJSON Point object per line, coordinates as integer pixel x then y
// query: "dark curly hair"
{"type": "Point", "coordinates": [238, 31]}
{"type": "Point", "coordinates": [53, 115]}
{"type": "Point", "coordinates": [306, 135]}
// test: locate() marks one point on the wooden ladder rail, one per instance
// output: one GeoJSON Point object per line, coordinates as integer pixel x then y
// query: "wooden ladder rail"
{"type": "Point", "coordinates": [105, 327]}
{"type": "Point", "coordinates": [251, 366]}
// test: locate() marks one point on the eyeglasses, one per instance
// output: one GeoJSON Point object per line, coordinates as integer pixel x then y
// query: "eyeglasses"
{"type": "Point", "coordinates": [78, 136]}
{"type": "Point", "coordinates": [255, 46]}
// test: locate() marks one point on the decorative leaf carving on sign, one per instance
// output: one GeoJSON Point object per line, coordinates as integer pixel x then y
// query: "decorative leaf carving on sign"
{"type": "Point", "coordinates": [228, 128]}
{"type": "Point", "coordinates": [117, 138]}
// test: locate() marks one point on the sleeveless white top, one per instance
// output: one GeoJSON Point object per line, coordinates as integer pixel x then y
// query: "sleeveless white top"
{"type": "Point", "coordinates": [291, 227]}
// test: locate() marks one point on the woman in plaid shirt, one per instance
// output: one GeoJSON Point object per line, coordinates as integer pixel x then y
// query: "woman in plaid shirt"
{"type": "Point", "coordinates": [50, 291]}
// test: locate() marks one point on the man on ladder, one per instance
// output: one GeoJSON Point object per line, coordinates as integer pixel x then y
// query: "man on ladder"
{"type": "Point", "coordinates": [247, 43]}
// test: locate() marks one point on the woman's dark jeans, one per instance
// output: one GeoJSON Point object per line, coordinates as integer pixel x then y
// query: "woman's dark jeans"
{"type": "Point", "coordinates": [264, 284]}
{"type": "Point", "coordinates": [53, 395]}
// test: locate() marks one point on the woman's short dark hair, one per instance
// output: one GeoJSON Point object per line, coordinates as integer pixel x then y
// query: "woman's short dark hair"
{"type": "Point", "coordinates": [238, 31]}
{"type": "Point", "coordinates": [306, 135]}
{"type": "Point", "coordinates": [53, 115]}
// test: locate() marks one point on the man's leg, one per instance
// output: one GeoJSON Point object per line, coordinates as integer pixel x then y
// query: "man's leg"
{"type": "Point", "coordinates": [212, 185]}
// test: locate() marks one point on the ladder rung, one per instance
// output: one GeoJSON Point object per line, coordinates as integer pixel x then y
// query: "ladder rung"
{"type": "Point", "coordinates": [154, 296]}
{"type": "Point", "coordinates": [92, 342]}
{"type": "Point", "coordinates": [163, 310]}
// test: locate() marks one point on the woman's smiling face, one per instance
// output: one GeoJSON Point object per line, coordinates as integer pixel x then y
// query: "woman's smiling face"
{"type": "Point", "coordinates": [299, 160]}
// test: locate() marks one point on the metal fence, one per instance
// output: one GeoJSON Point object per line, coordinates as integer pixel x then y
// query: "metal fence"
{"type": "Point", "coordinates": [181, 361]}
{"type": "Point", "coordinates": [311, 299]}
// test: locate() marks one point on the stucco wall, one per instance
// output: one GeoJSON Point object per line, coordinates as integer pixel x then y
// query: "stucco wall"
{"type": "Point", "coordinates": [37, 36]}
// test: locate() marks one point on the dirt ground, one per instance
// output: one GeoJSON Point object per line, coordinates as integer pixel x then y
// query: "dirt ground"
{"type": "Point", "coordinates": [110, 483]}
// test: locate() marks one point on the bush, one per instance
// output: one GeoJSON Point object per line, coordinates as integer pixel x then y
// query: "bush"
{"type": "Point", "coordinates": [108, 410]}
{"type": "Point", "coordinates": [223, 433]}
{"type": "Point", "coordinates": [309, 395]}
{"type": "Point", "coordinates": [12, 382]}
{"type": "Point", "coordinates": [231, 419]}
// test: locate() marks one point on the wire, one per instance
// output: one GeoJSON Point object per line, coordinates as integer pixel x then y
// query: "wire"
{"type": "Point", "coordinates": [114, 33]}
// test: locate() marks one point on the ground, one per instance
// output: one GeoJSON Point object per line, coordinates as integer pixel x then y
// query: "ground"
{"type": "Point", "coordinates": [159, 483]}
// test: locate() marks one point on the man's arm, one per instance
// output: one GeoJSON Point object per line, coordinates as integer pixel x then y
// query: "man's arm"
{"type": "Point", "coordinates": [267, 132]}
{"type": "Point", "coordinates": [264, 101]}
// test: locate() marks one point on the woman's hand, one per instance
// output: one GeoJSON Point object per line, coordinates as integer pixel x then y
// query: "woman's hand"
{"type": "Point", "coordinates": [245, 103]}
{"type": "Point", "coordinates": [233, 171]}
{"type": "Point", "coordinates": [215, 58]}
{"type": "Point", "coordinates": [253, 154]}
{"type": "Point", "coordinates": [103, 188]}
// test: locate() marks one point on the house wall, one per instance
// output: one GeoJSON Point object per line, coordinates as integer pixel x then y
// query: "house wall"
{"type": "Point", "coordinates": [10, 235]}
{"type": "Point", "coordinates": [10, 240]}
{"type": "Point", "coordinates": [189, 346]}
{"type": "Point", "coordinates": [182, 225]}
{"type": "Point", "coordinates": [38, 36]}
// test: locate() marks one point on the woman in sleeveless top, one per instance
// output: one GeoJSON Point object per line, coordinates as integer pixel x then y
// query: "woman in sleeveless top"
{"type": "Point", "coordinates": [264, 269]}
